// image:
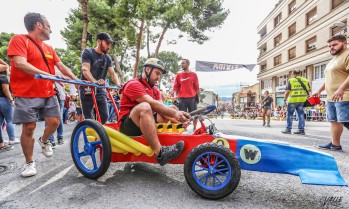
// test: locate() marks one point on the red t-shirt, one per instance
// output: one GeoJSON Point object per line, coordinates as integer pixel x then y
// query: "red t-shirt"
{"type": "Point", "coordinates": [24, 84]}
{"type": "Point", "coordinates": [132, 90]}
{"type": "Point", "coordinates": [186, 85]}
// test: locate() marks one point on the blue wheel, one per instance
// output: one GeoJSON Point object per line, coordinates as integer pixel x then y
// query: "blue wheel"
{"type": "Point", "coordinates": [90, 149]}
{"type": "Point", "coordinates": [212, 171]}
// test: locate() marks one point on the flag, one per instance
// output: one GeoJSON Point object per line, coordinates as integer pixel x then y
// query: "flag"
{"type": "Point", "coordinates": [216, 66]}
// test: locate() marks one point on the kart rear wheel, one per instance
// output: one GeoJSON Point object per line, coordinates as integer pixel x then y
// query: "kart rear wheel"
{"type": "Point", "coordinates": [90, 149]}
{"type": "Point", "coordinates": [212, 171]}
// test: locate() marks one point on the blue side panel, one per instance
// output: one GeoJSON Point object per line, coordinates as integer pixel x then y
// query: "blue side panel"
{"type": "Point", "coordinates": [78, 82]}
{"type": "Point", "coordinates": [311, 166]}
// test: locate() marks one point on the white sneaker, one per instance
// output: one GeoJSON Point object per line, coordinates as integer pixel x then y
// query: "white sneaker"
{"type": "Point", "coordinates": [15, 141]}
{"type": "Point", "coordinates": [46, 147]}
{"type": "Point", "coordinates": [28, 169]}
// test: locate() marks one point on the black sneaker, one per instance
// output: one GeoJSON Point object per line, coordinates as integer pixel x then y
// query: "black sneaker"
{"type": "Point", "coordinates": [60, 141]}
{"type": "Point", "coordinates": [299, 132]}
{"type": "Point", "coordinates": [53, 143]}
{"type": "Point", "coordinates": [286, 131]}
{"type": "Point", "coordinates": [170, 152]}
{"type": "Point", "coordinates": [331, 147]}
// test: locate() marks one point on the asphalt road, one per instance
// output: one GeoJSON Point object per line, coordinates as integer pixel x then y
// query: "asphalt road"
{"type": "Point", "coordinates": [58, 183]}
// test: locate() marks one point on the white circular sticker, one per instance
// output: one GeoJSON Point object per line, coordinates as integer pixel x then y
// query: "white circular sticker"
{"type": "Point", "coordinates": [222, 141]}
{"type": "Point", "coordinates": [250, 154]}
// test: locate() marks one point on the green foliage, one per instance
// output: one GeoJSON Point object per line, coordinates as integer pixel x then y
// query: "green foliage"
{"type": "Point", "coordinates": [71, 59]}
{"type": "Point", "coordinates": [170, 60]}
{"type": "Point", "coordinates": [4, 41]}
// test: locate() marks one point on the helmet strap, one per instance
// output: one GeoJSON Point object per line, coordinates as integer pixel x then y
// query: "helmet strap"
{"type": "Point", "coordinates": [148, 74]}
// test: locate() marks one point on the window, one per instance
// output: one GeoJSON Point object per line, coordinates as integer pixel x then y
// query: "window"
{"type": "Point", "coordinates": [277, 39]}
{"type": "Point", "coordinates": [277, 20]}
{"type": "Point", "coordinates": [292, 53]}
{"type": "Point", "coordinates": [292, 6]}
{"type": "Point", "coordinates": [292, 30]}
{"type": "Point", "coordinates": [311, 16]}
{"type": "Point", "coordinates": [277, 60]}
{"type": "Point", "coordinates": [340, 30]}
{"type": "Point", "coordinates": [311, 44]}
{"type": "Point", "coordinates": [282, 80]}
{"type": "Point", "coordinates": [319, 72]}
{"type": "Point", "coordinates": [336, 3]}
{"type": "Point", "coordinates": [267, 84]}
{"type": "Point", "coordinates": [263, 67]}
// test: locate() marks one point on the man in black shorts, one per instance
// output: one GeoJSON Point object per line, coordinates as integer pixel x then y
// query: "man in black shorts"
{"type": "Point", "coordinates": [141, 106]}
{"type": "Point", "coordinates": [186, 88]}
{"type": "Point", "coordinates": [95, 65]}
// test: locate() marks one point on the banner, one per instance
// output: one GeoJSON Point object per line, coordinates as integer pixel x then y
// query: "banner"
{"type": "Point", "coordinates": [216, 66]}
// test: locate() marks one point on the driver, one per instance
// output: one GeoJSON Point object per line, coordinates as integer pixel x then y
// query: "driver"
{"type": "Point", "coordinates": [141, 107]}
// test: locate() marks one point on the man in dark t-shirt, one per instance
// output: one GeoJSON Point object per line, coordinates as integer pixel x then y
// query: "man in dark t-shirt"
{"type": "Point", "coordinates": [96, 63]}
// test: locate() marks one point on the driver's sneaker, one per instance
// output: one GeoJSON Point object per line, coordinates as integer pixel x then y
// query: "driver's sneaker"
{"type": "Point", "coordinates": [170, 152]}
{"type": "Point", "coordinates": [331, 147]}
{"type": "Point", "coordinates": [28, 169]}
{"type": "Point", "coordinates": [46, 147]}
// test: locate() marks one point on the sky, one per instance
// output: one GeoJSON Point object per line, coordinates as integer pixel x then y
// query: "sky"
{"type": "Point", "coordinates": [234, 42]}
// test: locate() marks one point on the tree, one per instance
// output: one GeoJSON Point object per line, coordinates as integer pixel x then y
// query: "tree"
{"type": "Point", "coordinates": [71, 59]}
{"type": "Point", "coordinates": [4, 41]}
{"type": "Point", "coordinates": [84, 4]}
{"type": "Point", "coordinates": [191, 17]}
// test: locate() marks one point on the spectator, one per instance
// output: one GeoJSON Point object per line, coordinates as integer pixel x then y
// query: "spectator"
{"type": "Point", "coordinates": [296, 95]}
{"type": "Point", "coordinates": [140, 101]}
{"type": "Point", "coordinates": [186, 88]}
{"type": "Point", "coordinates": [267, 106]}
{"type": "Point", "coordinates": [72, 112]}
{"type": "Point", "coordinates": [337, 89]}
{"type": "Point", "coordinates": [95, 64]}
{"type": "Point", "coordinates": [29, 55]}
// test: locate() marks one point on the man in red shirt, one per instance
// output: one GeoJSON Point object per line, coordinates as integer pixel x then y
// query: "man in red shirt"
{"type": "Point", "coordinates": [141, 106]}
{"type": "Point", "coordinates": [27, 53]}
{"type": "Point", "coordinates": [186, 88]}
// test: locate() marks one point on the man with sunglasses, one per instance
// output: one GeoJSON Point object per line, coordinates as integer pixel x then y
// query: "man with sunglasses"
{"type": "Point", "coordinates": [96, 63]}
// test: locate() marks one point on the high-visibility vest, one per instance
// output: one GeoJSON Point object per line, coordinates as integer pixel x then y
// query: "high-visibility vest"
{"type": "Point", "coordinates": [297, 93]}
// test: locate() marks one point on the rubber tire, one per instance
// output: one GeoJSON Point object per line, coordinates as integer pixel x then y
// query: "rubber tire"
{"type": "Point", "coordinates": [106, 148]}
{"type": "Point", "coordinates": [226, 153]}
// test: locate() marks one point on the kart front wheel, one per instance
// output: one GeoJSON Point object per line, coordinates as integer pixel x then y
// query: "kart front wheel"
{"type": "Point", "coordinates": [212, 171]}
{"type": "Point", "coordinates": [90, 149]}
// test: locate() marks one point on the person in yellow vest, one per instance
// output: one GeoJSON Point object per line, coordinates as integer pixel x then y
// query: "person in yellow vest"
{"type": "Point", "coordinates": [296, 95]}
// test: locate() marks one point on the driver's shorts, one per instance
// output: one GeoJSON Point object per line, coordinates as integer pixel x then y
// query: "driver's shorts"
{"type": "Point", "coordinates": [128, 127]}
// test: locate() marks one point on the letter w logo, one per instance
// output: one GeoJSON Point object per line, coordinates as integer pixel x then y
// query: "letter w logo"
{"type": "Point", "coordinates": [250, 154]}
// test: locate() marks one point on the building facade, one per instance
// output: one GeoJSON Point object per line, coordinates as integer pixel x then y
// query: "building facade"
{"type": "Point", "coordinates": [247, 98]}
{"type": "Point", "coordinates": [209, 99]}
{"type": "Point", "coordinates": [294, 36]}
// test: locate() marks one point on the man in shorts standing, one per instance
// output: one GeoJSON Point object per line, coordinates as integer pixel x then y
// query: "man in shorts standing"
{"type": "Point", "coordinates": [141, 107]}
{"type": "Point", "coordinates": [337, 89]}
{"type": "Point", "coordinates": [186, 88]}
{"type": "Point", "coordinates": [33, 95]}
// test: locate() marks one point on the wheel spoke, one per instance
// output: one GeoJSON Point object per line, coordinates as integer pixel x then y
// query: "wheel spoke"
{"type": "Point", "coordinates": [223, 174]}
{"type": "Point", "coordinates": [215, 161]}
{"type": "Point", "coordinates": [223, 169]}
{"type": "Point", "coordinates": [218, 163]}
{"type": "Point", "coordinates": [196, 164]}
{"type": "Point", "coordinates": [94, 160]}
{"type": "Point", "coordinates": [215, 177]}
{"type": "Point", "coordinates": [205, 161]}
{"type": "Point", "coordinates": [203, 169]}
{"type": "Point", "coordinates": [95, 143]}
{"type": "Point", "coordinates": [81, 154]}
{"type": "Point", "coordinates": [85, 136]}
